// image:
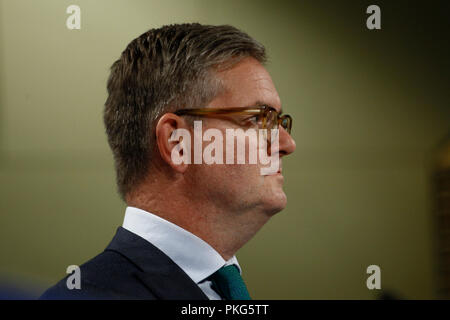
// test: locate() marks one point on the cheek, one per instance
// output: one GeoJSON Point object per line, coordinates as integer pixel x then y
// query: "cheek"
{"type": "Point", "coordinates": [231, 181]}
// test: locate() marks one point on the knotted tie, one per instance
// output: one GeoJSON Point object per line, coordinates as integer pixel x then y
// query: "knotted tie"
{"type": "Point", "coordinates": [228, 282]}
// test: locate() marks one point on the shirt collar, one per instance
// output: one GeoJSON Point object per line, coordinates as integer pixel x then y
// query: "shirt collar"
{"type": "Point", "coordinates": [196, 257]}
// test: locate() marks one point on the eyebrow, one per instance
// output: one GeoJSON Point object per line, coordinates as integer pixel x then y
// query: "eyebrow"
{"type": "Point", "coordinates": [260, 103]}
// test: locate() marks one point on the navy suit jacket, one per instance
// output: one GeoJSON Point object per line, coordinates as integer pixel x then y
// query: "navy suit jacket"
{"type": "Point", "coordinates": [129, 268]}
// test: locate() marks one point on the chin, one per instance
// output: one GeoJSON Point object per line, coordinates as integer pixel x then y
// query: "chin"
{"type": "Point", "coordinates": [276, 203]}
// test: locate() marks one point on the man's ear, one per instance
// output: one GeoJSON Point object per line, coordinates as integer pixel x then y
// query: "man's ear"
{"type": "Point", "coordinates": [174, 141]}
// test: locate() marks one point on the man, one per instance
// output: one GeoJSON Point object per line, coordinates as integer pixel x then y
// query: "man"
{"type": "Point", "coordinates": [185, 221]}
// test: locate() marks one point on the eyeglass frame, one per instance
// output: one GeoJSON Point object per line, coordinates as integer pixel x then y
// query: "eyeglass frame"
{"type": "Point", "coordinates": [263, 111]}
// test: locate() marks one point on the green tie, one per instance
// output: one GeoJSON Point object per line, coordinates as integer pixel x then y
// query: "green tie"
{"type": "Point", "coordinates": [228, 282]}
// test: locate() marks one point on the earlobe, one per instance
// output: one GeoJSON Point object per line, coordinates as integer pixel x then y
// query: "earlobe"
{"type": "Point", "coordinates": [173, 141]}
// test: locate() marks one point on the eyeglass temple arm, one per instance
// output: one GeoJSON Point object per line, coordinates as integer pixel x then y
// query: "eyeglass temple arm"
{"type": "Point", "coordinates": [216, 111]}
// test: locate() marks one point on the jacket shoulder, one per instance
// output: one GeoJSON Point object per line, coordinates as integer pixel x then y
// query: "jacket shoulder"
{"type": "Point", "coordinates": [109, 275]}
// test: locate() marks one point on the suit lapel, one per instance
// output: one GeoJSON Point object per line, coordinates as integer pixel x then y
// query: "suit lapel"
{"type": "Point", "coordinates": [157, 272]}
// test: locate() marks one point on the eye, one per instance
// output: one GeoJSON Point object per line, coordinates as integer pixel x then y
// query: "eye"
{"type": "Point", "coordinates": [253, 120]}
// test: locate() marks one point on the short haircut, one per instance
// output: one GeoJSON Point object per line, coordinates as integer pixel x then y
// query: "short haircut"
{"type": "Point", "coordinates": [163, 70]}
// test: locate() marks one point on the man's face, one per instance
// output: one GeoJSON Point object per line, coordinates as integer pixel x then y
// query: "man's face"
{"type": "Point", "coordinates": [241, 187]}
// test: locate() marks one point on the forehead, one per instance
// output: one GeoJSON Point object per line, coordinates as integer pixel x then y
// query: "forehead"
{"type": "Point", "coordinates": [247, 84]}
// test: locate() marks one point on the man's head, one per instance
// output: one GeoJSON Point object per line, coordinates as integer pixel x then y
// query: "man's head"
{"type": "Point", "coordinates": [183, 67]}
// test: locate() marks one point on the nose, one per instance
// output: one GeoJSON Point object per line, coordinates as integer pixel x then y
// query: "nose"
{"type": "Point", "coordinates": [287, 143]}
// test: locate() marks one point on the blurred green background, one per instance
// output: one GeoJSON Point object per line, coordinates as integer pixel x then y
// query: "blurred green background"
{"type": "Point", "coordinates": [369, 109]}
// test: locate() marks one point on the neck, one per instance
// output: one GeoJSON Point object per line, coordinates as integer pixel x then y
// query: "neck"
{"type": "Point", "coordinates": [223, 230]}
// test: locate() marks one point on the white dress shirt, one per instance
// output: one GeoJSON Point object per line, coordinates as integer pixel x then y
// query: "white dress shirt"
{"type": "Point", "coordinates": [193, 255]}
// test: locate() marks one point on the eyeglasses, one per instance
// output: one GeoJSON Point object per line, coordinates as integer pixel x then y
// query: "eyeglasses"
{"type": "Point", "coordinates": [266, 117]}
